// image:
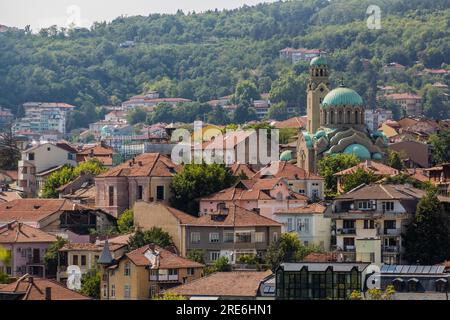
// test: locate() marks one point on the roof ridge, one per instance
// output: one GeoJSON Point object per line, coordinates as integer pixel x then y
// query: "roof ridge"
{"type": "Point", "coordinates": [385, 190]}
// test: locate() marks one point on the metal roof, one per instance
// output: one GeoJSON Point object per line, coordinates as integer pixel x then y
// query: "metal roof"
{"type": "Point", "coordinates": [412, 269]}
{"type": "Point", "coordinates": [320, 267]}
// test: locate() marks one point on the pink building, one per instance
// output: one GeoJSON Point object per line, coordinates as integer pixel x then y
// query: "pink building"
{"type": "Point", "coordinates": [26, 246]}
{"type": "Point", "coordinates": [265, 196]}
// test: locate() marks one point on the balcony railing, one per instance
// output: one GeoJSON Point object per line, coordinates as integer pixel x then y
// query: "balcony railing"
{"type": "Point", "coordinates": [346, 231]}
{"type": "Point", "coordinates": [349, 248]}
{"type": "Point", "coordinates": [393, 249]}
{"type": "Point", "coordinates": [164, 277]}
{"type": "Point", "coordinates": [392, 232]}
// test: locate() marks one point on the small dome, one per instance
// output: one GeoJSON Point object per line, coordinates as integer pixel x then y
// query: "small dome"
{"type": "Point", "coordinates": [319, 134]}
{"type": "Point", "coordinates": [358, 150]}
{"type": "Point", "coordinates": [377, 156]}
{"type": "Point", "coordinates": [342, 97]}
{"type": "Point", "coordinates": [286, 155]}
{"type": "Point", "coordinates": [318, 61]}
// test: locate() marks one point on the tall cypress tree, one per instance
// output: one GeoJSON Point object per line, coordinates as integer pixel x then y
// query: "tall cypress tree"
{"type": "Point", "coordinates": [427, 238]}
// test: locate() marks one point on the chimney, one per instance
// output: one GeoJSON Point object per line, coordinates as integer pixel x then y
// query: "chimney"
{"type": "Point", "coordinates": [48, 293]}
{"type": "Point", "coordinates": [30, 280]}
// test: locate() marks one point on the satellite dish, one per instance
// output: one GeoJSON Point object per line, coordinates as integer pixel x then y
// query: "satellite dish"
{"type": "Point", "coordinates": [74, 277]}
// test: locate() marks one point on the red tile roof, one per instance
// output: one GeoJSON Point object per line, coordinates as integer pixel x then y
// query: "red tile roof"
{"type": "Point", "coordinates": [314, 208]}
{"type": "Point", "coordinates": [321, 257]}
{"type": "Point", "coordinates": [17, 232]}
{"type": "Point", "coordinates": [241, 168]}
{"type": "Point", "coordinates": [376, 168]}
{"type": "Point", "coordinates": [224, 284]}
{"type": "Point", "coordinates": [144, 165]}
{"type": "Point", "coordinates": [286, 170]}
{"type": "Point", "coordinates": [34, 289]}
{"type": "Point", "coordinates": [90, 247]}
{"type": "Point", "coordinates": [294, 122]}
{"type": "Point", "coordinates": [167, 259]}
{"type": "Point", "coordinates": [403, 96]}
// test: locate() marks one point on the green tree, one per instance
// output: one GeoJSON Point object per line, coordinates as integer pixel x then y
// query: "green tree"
{"type": "Point", "coordinates": [125, 223]}
{"type": "Point", "coordinates": [90, 284]}
{"type": "Point", "coordinates": [244, 112]}
{"type": "Point", "coordinates": [196, 181]}
{"type": "Point", "coordinates": [329, 165]}
{"type": "Point", "coordinates": [394, 160]}
{"type": "Point", "coordinates": [278, 111]}
{"type": "Point", "coordinates": [154, 235]}
{"type": "Point", "coordinates": [9, 152]}
{"type": "Point", "coordinates": [197, 255]}
{"type": "Point", "coordinates": [246, 92]}
{"type": "Point", "coordinates": [137, 115]}
{"type": "Point", "coordinates": [357, 178]}
{"type": "Point", "coordinates": [427, 238]}
{"type": "Point", "coordinates": [440, 144]}
{"type": "Point", "coordinates": [52, 254]}
{"type": "Point", "coordinates": [170, 296]}
{"type": "Point", "coordinates": [220, 265]}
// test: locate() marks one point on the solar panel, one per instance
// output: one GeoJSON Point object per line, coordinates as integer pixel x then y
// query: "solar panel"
{"type": "Point", "coordinates": [392, 269]}
{"type": "Point", "coordinates": [271, 289]}
{"type": "Point", "coordinates": [440, 269]}
{"type": "Point", "coordinates": [405, 269]}
{"type": "Point", "coordinates": [419, 269]}
{"type": "Point", "coordinates": [398, 269]}
{"type": "Point", "coordinates": [412, 269]}
{"type": "Point", "coordinates": [384, 268]}
{"type": "Point", "coordinates": [426, 269]}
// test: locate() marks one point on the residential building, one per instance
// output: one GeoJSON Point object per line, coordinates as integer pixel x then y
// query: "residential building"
{"type": "Point", "coordinates": [242, 170]}
{"type": "Point", "coordinates": [264, 196]}
{"type": "Point", "coordinates": [150, 101]}
{"type": "Point", "coordinates": [374, 118]}
{"type": "Point", "coordinates": [410, 103]}
{"type": "Point", "coordinates": [146, 177]}
{"type": "Point", "coordinates": [393, 67]}
{"type": "Point", "coordinates": [231, 232]}
{"type": "Point", "coordinates": [28, 287]}
{"type": "Point", "coordinates": [40, 161]}
{"type": "Point", "coordinates": [414, 154]}
{"type": "Point", "coordinates": [80, 190]}
{"type": "Point", "coordinates": [26, 246]}
{"type": "Point", "coordinates": [319, 281]}
{"type": "Point", "coordinates": [116, 115]}
{"type": "Point", "coordinates": [369, 221]}
{"type": "Point", "coordinates": [85, 256]}
{"type": "Point", "coordinates": [298, 179]}
{"type": "Point", "coordinates": [295, 55]}
{"type": "Point", "coordinates": [60, 217]}
{"type": "Point", "coordinates": [262, 108]}
{"type": "Point", "coordinates": [100, 152]}
{"type": "Point", "coordinates": [146, 272]}
{"type": "Point", "coordinates": [6, 117]}
{"type": "Point", "coordinates": [291, 123]}
{"type": "Point", "coordinates": [376, 168]}
{"type": "Point", "coordinates": [440, 177]}
{"type": "Point", "coordinates": [308, 223]}
{"type": "Point", "coordinates": [41, 117]}
{"type": "Point", "coordinates": [234, 285]}
{"type": "Point", "coordinates": [416, 282]}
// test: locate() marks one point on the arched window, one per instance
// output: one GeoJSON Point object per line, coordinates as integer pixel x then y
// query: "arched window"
{"type": "Point", "coordinates": [331, 117]}
{"type": "Point", "coordinates": [348, 117]}
{"type": "Point", "coordinates": [340, 117]}
{"type": "Point", "coordinates": [362, 117]}
{"type": "Point", "coordinates": [321, 72]}
{"type": "Point", "coordinates": [325, 120]}
{"type": "Point", "coordinates": [356, 117]}
{"type": "Point", "coordinates": [398, 284]}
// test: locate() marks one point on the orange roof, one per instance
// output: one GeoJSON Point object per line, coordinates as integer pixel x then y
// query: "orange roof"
{"type": "Point", "coordinates": [376, 168]}
{"type": "Point", "coordinates": [314, 208]}
{"type": "Point", "coordinates": [285, 170]}
{"type": "Point", "coordinates": [241, 168]}
{"type": "Point", "coordinates": [403, 96]}
{"type": "Point", "coordinates": [294, 122]}
{"type": "Point", "coordinates": [222, 284]}
{"type": "Point", "coordinates": [167, 259]}
{"type": "Point", "coordinates": [144, 165]}
{"type": "Point", "coordinates": [34, 210]}
{"type": "Point", "coordinates": [34, 289]}
{"type": "Point", "coordinates": [90, 247]}
{"type": "Point", "coordinates": [17, 232]}
{"type": "Point", "coordinates": [321, 257]}
{"type": "Point", "coordinates": [96, 151]}
{"type": "Point", "coordinates": [235, 217]}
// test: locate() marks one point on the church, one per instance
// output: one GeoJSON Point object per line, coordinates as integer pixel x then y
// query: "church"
{"type": "Point", "coordinates": [335, 122]}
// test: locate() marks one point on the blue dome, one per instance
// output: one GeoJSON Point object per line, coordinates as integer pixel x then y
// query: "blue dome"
{"type": "Point", "coordinates": [342, 97]}
{"type": "Point", "coordinates": [358, 150]}
{"type": "Point", "coordinates": [319, 134]}
{"type": "Point", "coordinates": [377, 156]}
{"type": "Point", "coordinates": [286, 155]}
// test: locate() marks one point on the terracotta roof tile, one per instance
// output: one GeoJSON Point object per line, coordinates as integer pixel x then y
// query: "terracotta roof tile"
{"type": "Point", "coordinates": [376, 168]}
{"type": "Point", "coordinates": [283, 169]}
{"type": "Point", "coordinates": [294, 122]}
{"type": "Point", "coordinates": [314, 208]}
{"type": "Point", "coordinates": [17, 232]}
{"type": "Point", "coordinates": [239, 168]}
{"type": "Point", "coordinates": [223, 284]}
{"type": "Point", "coordinates": [167, 259]}
{"type": "Point", "coordinates": [90, 247]}
{"type": "Point", "coordinates": [35, 289]}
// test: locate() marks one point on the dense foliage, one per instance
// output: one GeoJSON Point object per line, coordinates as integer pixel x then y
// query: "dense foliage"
{"type": "Point", "coordinates": [90, 284]}
{"type": "Point", "coordinates": [357, 178]}
{"type": "Point", "coordinates": [196, 181]}
{"type": "Point", "coordinates": [204, 56]}
{"type": "Point", "coordinates": [125, 223]}
{"type": "Point", "coordinates": [427, 238]}
{"type": "Point", "coordinates": [155, 235]}
{"type": "Point", "coordinates": [51, 255]}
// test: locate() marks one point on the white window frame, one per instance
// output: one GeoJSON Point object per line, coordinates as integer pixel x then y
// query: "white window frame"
{"type": "Point", "coordinates": [195, 237]}
{"type": "Point", "coordinates": [214, 237]}
{"type": "Point", "coordinates": [212, 254]}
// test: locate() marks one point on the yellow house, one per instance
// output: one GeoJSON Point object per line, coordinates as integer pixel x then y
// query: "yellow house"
{"type": "Point", "coordinates": [145, 272]}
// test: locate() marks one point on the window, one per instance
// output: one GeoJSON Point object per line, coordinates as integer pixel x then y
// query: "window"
{"type": "Point", "coordinates": [70, 156]}
{"type": "Point", "coordinates": [259, 237]}
{"type": "Point", "coordinates": [228, 236]}
{"type": "Point", "coordinates": [275, 237]}
{"type": "Point", "coordinates": [75, 260]}
{"type": "Point", "coordinates": [190, 271]}
{"type": "Point", "coordinates": [412, 285]}
{"type": "Point", "coordinates": [349, 224]}
{"type": "Point", "coordinates": [245, 237]}
{"type": "Point", "coordinates": [159, 192]}
{"type": "Point", "coordinates": [83, 260]}
{"type": "Point", "coordinates": [214, 255]}
{"type": "Point", "coordinates": [301, 191]}
{"type": "Point", "coordinates": [127, 291]}
{"type": "Point", "coordinates": [173, 272]}
{"type": "Point", "coordinates": [364, 205]}
{"type": "Point", "coordinates": [31, 156]}
{"type": "Point", "coordinates": [127, 270]}
{"type": "Point", "coordinates": [369, 224]}
{"type": "Point", "coordinates": [105, 290]}
{"type": "Point", "coordinates": [289, 224]}
{"type": "Point", "coordinates": [139, 193]}
{"type": "Point", "coordinates": [214, 237]}
{"type": "Point", "coordinates": [113, 291]}
{"type": "Point", "coordinates": [24, 170]}
{"type": "Point", "coordinates": [195, 237]}
{"type": "Point", "coordinates": [389, 224]}
{"type": "Point", "coordinates": [111, 195]}
{"type": "Point", "coordinates": [388, 206]}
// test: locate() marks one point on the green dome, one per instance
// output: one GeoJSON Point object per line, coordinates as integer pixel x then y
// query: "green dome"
{"type": "Point", "coordinates": [319, 134]}
{"type": "Point", "coordinates": [358, 150]}
{"type": "Point", "coordinates": [286, 155]}
{"type": "Point", "coordinates": [377, 156]}
{"type": "Point", "coordinates": [318, 61]}
{"type": "Point", "coordinates": [342, 97]}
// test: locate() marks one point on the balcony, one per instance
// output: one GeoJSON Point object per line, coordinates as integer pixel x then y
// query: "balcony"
{"type": "Point", "coordinates": [346, 231]}
{"type": "Point", "coordinates": [392, 232]}
{"type": "Point", "coordinates": [164, 277]}
{"type": "Point", "coordinates": [350, 248]}
{"type": "Point", "coordinates": [390, 249]}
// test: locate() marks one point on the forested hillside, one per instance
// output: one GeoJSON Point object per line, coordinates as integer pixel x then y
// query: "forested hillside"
{"type": "Point", "coordinates": [203, 56]}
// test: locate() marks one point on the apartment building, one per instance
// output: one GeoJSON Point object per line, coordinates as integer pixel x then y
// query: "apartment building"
{"type": "Point", "coordinates": [230, 232]}
{"type": "Point", "coordinates": [410, 103]}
